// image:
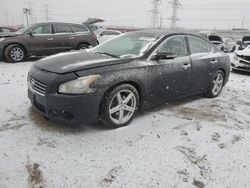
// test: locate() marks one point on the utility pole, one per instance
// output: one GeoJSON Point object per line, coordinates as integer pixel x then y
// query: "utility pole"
{"type": "Point", "coordinates": [175, 6]}
{"type": "Point", "coordinates": [46, 11]}
{"type": "Point", "coordinates": [27, 12]}
{"type": "Point", "coordinates": [31, 12]}
{"type": "Point", "coordinates": [161, 20]}
{"type": "Point", "coordinates": [154, 21]}
{"type": "Point", "coordinates": [242, 23]}
{"type": "Point", "coordinates": [6, 15]}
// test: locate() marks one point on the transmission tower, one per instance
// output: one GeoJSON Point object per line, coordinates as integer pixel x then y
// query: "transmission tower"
{"type": "Point", "coordinates": [154, 21]}
{"type": "Point", "coordinates": [175, 6]}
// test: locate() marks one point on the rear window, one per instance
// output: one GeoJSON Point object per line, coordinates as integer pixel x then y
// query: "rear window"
{"type": "Point", "coordinates": [62, 28]}
{"type": "Point", "coordinates": [79, 29]}
{"type": "Point", "coordinates": [214, 38]}
{"type": "Point", "coordinates": [247, 38]}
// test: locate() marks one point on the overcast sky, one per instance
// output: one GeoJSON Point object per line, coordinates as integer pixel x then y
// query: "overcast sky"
{"type": "Point", "coordinates": [220, 14]}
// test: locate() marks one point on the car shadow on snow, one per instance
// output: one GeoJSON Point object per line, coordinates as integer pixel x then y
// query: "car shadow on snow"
{"type": "Point", "coordinates": [30, 59]}
{"type": "Point", "coordinates": [76, 128]}
{"type": "Point", "coordinates": [62, 127]}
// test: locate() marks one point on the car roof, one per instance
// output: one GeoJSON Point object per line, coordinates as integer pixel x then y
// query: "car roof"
{"type": "Point", "coordinates": [161, 33]}
{"type": "Point", "coordinates": [59, 23]}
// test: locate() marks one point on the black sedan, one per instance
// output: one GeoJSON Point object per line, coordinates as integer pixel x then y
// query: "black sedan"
{"type": "Point", "coordinates": [132, 72]}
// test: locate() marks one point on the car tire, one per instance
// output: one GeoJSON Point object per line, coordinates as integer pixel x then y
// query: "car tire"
{"type": "Point", "coordinates": [14, 53]}
{"type": "Point", "coordinates": [120, 106]}
{"type": "Point", "coordinates": [82, 46]}
{"type": "Point", "coordinates": [216, 85]}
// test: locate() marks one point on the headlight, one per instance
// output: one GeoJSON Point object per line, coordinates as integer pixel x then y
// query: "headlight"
{"type": "Point", "coordinates": [235, 57]}
{"type": "Point", "coordinates": [78, 86]}
{"type": "Point", "coordinates": [1, 39]}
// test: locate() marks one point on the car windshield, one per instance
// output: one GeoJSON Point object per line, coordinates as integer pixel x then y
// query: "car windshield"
{"type": "Point", "coordinates": [24, 29]}
{"type": "Point", "coordinates": [127, 45]}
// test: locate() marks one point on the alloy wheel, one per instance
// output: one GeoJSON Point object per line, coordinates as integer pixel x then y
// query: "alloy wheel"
{"type": "Point", "coordinates": [217, 83]}
{"type": "Point", "coordinates": [17, 54]}
{"type": "Point", "coordinates": [122, 106]}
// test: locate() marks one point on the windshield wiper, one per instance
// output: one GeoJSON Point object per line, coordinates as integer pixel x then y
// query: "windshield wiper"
{"type": "Point", "coordinates": [105, 53]}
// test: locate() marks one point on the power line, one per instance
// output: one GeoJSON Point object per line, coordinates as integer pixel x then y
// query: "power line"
{"type": "Point", "coordinates": [46, 11]}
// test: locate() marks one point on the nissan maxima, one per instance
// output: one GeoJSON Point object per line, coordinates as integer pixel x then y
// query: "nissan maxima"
{"type": "Point", "coordinates": [124, 75]}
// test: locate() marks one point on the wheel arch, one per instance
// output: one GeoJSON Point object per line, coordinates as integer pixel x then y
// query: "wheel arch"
{"type": "Point", "coordinates": [135, 84]}
{"type": "Point", "coordinates": [16, 43]}
{"type": "Point", "coordinates": [224, 75]}
{"type": "Point", "coordinates": [80, 43]}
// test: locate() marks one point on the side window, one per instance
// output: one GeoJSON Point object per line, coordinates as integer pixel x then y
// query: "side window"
{"type": "Point", "coordinates": [42, 29]}
{"type": "Point", "coordinates": [7, 30]}
{"type": "Point", "coordinates": [198, 45]}
{"type": "Point", "coordinates": [175, 46]}
{"type": "Point", "coordinates": [78, 29]}
{"type": "Point", "coordinates": [62, 28]}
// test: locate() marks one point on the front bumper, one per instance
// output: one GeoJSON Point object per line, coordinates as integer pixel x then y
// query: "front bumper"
{"type": "Point", "coordinates": [60, 107]}
{"type": "Point", "coordinates": [240, 64]}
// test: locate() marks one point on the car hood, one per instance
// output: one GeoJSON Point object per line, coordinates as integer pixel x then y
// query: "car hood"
{"type": "Point", "coordinates": [75, 61]}
{"type": "Point", "coordinates": [5, 35]}
{"type": "Point", "coordinates": [245, 52]}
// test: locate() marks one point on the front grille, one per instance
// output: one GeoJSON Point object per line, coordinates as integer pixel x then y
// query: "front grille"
{"type": "Point", "coordinates": [247, 58]}
{"type": "Point", "coordinates": [40, 107]}
{"type": "Point", "coordinates": [37, 86]}
{"type": "Point", "coordinates": [245, 63]}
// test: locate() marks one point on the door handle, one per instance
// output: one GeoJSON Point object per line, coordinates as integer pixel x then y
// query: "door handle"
{"type": "Point", "coordinates": [214, 61]}
{"type": "Point", "coordinates": [50, 39]}
{"type": "Point", "coordinates": [71, 38]}
{"type": "Point", "coordinates": [186, 66]}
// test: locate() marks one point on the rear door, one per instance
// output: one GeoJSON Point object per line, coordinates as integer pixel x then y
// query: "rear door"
{"type": "Point", "coordinates": [62, 33]}
{"type": "Point", "coordinates": [204, 59]}
{"type": "Point", "coordinates": [171, 77]}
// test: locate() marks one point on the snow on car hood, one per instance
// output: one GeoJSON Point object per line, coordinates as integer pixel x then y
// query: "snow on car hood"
{"type": "Point", "coordinates": [75, 61]}
{"type": "Point", "coordinates": [245, 52]}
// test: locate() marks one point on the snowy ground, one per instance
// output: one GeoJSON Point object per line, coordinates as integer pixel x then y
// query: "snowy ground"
{"type": "Point", "coordinates": [194, 142]}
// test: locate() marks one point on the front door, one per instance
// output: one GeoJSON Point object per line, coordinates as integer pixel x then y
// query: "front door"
{"type": "Point", "coordinates": [38, 40]}
{"type": "Point", "coordinates": [172, 75]}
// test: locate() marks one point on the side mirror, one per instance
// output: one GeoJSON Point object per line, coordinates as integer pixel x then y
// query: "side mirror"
{"type": "Point", "coordinates": [31, 33]}
{"type": "Point", "coordinates": [164, 55]}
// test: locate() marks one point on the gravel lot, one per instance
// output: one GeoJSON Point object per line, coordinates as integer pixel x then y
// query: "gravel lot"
{"type": "Point", "coordinates": [195, 142]}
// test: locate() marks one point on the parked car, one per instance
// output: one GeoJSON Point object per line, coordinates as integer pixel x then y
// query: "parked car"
{"type": "Point", "coordinates": [243, 43]}
{"type": "Point", "coordinates": [241, 60]}
{"type": "Point", "coordinates": [216, 40]}
{"type": "Point", "coordinates": [113, 81]}
{"type": "Point", "coordinates": [107, 34]}
{"type": "Point", "coordinates": [45, 39]}
{"type": "Point", "coordinates": [229, 45]}
{"type": "Point", "coordinates": [6, 30]}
